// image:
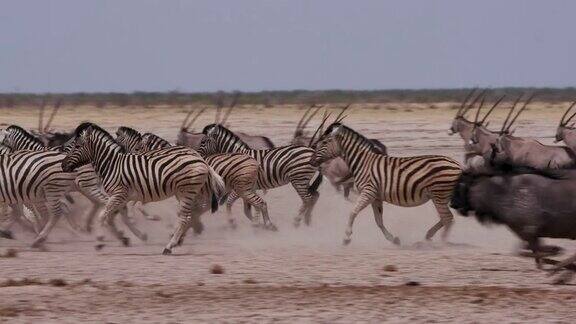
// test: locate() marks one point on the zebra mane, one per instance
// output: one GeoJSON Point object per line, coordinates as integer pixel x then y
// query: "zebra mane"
{"type": "Point", "coordinates": [128, 131]}
{"type": "Point", "coordinates": [25, 133]}
{"type": "Point", "coordinates": [226, 131]}
{"type": "Point", "coordinates": [357, 136]}
{"type": "Point", "coordinates": [157, 138]}
{"type": "Point", "coordinates": [84, 126]}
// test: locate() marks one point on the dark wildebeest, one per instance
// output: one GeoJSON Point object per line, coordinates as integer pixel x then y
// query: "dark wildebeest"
{"type": "Point", "coordinates": [533, 204]}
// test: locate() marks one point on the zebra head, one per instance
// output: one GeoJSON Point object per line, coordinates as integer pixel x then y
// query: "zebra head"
{"type": "Point", "coordinates": [152, 142]}
{"type": "Point", "coordinates": [88, 141]}
{"type": "Point", "coordinates": [208, 146]}
{"type": "Point", "coordinates": [327, 147]}
{"type": "Point", "coordinates": [222, 140]}
{"type": "Point", "coordinates": [130, 139]}
{"type": "Point", "coordinates": [17, 138]}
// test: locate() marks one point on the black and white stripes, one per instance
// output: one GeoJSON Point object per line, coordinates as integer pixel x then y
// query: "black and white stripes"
{"type": "Point", "coordinates": [403, 181]}
{"type": "Point", "coordinates": [147, 177]}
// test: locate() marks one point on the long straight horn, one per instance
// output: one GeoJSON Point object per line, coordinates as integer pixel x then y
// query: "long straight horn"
{"type": "Point", "coordinates": [468, 97]}
{"type": "Point", "coordinates": [195, 117]}
{"type": "Point", "coordinates": [491, 109]}
{"type": "Point", "coordinates": [299, 125]}
{"type": "Point", "coordinates": [41, 115]}
{"type": "Point", "coordinates": [480, 95]}
{"type": "Point", "coordinates": [318, 107]}
{"type": "Point", "coordinates": [183, 126]}
{"type": "Point", "coordinates": [318, 129]}
{"type": "Point", "coordinates": [562, 122]}
{"type": "Point", "coordinates": [520, 111]}
{"type": "Point", "coordinates": [510, 114]}
{"type": "Point", "coordinates": [232, 105]}
{"type": "Point", "coordinates": [339, 118]}
{"type": "Point", "coordinates": [53, 114]}
{"type": "Point", "coordinates": [478, 110]}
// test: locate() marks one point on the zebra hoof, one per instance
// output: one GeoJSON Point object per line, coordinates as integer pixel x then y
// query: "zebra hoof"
{"type": "Point", "coordinates": [99, 247]}
{"type": "Point", "coordinates": [396, 241]}
{"type": "Point", "coordinates": [144, 237]}
{"type": "Point", "coordinates": [38, 242]}
{"type": "Point", "coordinates": [6, 234]}
{"type": "Point", "coordinates": [272, 227]}
{"type": "Point", "coordinates": [198, 228]}
{"type": "Point", "coordinates": [125, 241]}
{"type": "Point", "coordinates": [346, 241]}
{"type": "Point", "coordinates": [166, 251]}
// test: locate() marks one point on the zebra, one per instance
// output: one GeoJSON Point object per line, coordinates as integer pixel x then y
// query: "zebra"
{"type": "Point", "coordinates": [87, 181]}
{"type": "Point", "coordinates": [147, 177]}
{"type": "Point", "coordinates": [402, 181]}
{"type": "Point", "coordinates": [279, 166]}
{"type": "Point", "coordinates": [239, 172]}
{"type": "Point", "coordinates": [35, 179]}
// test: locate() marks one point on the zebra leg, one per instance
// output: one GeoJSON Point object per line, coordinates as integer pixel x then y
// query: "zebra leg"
{"type": "Point", "coordinates": [251, 198]}
{"type": "Point", "coordinates": [106, 220]}
{"type": "Point", "coordinates": [377, 208]}
{"type": "Point", "coordinates": [363, 201]}
{"type": "Point", "coordinates": [52, 208]}
{"type": "Point", "coordinates": [229, 202]}
{"type": "Point", "coordinates": [131, 225]}
{"type": "Point", "coordinates": [185, 219]}
{"type": "Point", "coordinates": [309, 200]}
{"type": "Point", "coordinates": [446, 220]}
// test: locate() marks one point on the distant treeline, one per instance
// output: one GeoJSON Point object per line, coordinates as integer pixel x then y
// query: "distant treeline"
{"type": "Point", "coordinates": [272, 98]}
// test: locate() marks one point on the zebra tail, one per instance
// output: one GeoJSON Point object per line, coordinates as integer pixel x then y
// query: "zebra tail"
{"type": "Point", "coordinates": [218, 187]}
{"type": "Point", "coordinates": [316, 183]}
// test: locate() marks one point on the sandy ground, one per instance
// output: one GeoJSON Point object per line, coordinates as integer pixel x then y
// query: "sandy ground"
{"type": "Point", "coordinates": [294, 275]}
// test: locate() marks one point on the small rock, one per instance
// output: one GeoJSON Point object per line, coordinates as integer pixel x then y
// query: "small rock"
{"type": "Point", "coordinates": [250, 281]}
{"type": "Point", "coordinates": [412, 283]}
{"type": "Point", "coordinates": [57, 283]}
{"type": "Point", "coordinates": [217, 269]}
{"type": "Point", "coordinates": [390, 268]}
{"type": "Point", "coordinates": [11, 253]}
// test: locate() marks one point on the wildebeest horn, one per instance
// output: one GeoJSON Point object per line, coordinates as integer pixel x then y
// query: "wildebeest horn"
{"type": "Point", "coordinates": [468, 96]}
{"type": "Point", "coordinates": [510, 114]}
{"type": "Point", "coordinates": [52, 115]}
{"type": "Point", "coordinates": [520, 111]}
{"type": "Point", "coordinates": [318, 129]}
{"type": "Point", "coordinates": [41, 114]}
{"type": "Point", "coordinates": [195, 117]}
{"type": "Point", "coordinates": [491, 109]}
{"type": "Point", "coordinates": [232, 105]}
{"type": "Point", "coordinates": [562, 122]}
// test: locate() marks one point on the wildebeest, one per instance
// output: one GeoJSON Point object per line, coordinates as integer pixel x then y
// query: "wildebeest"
{"type": "Point", "coordinates": [533, 204]}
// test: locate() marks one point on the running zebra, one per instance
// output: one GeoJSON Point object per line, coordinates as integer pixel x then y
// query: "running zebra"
{"type": "Point", "coordinates": [87, 181]}
{"type": "Point", "coordinates": [402, 181]}
{"type": "Point", "coordinates": [239, 172]}
{"type": "Point", "coordinates": [147, 177]}
{"type": "Point", "coordinates": [279, 166]}
{"type": "Point", "coordinates": [35, 179]}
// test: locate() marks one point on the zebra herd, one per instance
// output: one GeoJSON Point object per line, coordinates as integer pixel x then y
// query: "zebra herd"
{"type": "Point", "coordinates": [216, 165]}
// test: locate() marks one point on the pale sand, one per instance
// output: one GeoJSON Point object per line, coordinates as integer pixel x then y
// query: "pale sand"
{"type": "Point", "coordinates": [295, 275]}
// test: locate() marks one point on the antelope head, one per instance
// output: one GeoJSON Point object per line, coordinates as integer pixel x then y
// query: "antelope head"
{"type": "Point", "coordinates": [563, 126]}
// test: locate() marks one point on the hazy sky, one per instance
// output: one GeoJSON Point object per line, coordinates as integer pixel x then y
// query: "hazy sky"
{"type": "Point", "coordinates": [127, 45]}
